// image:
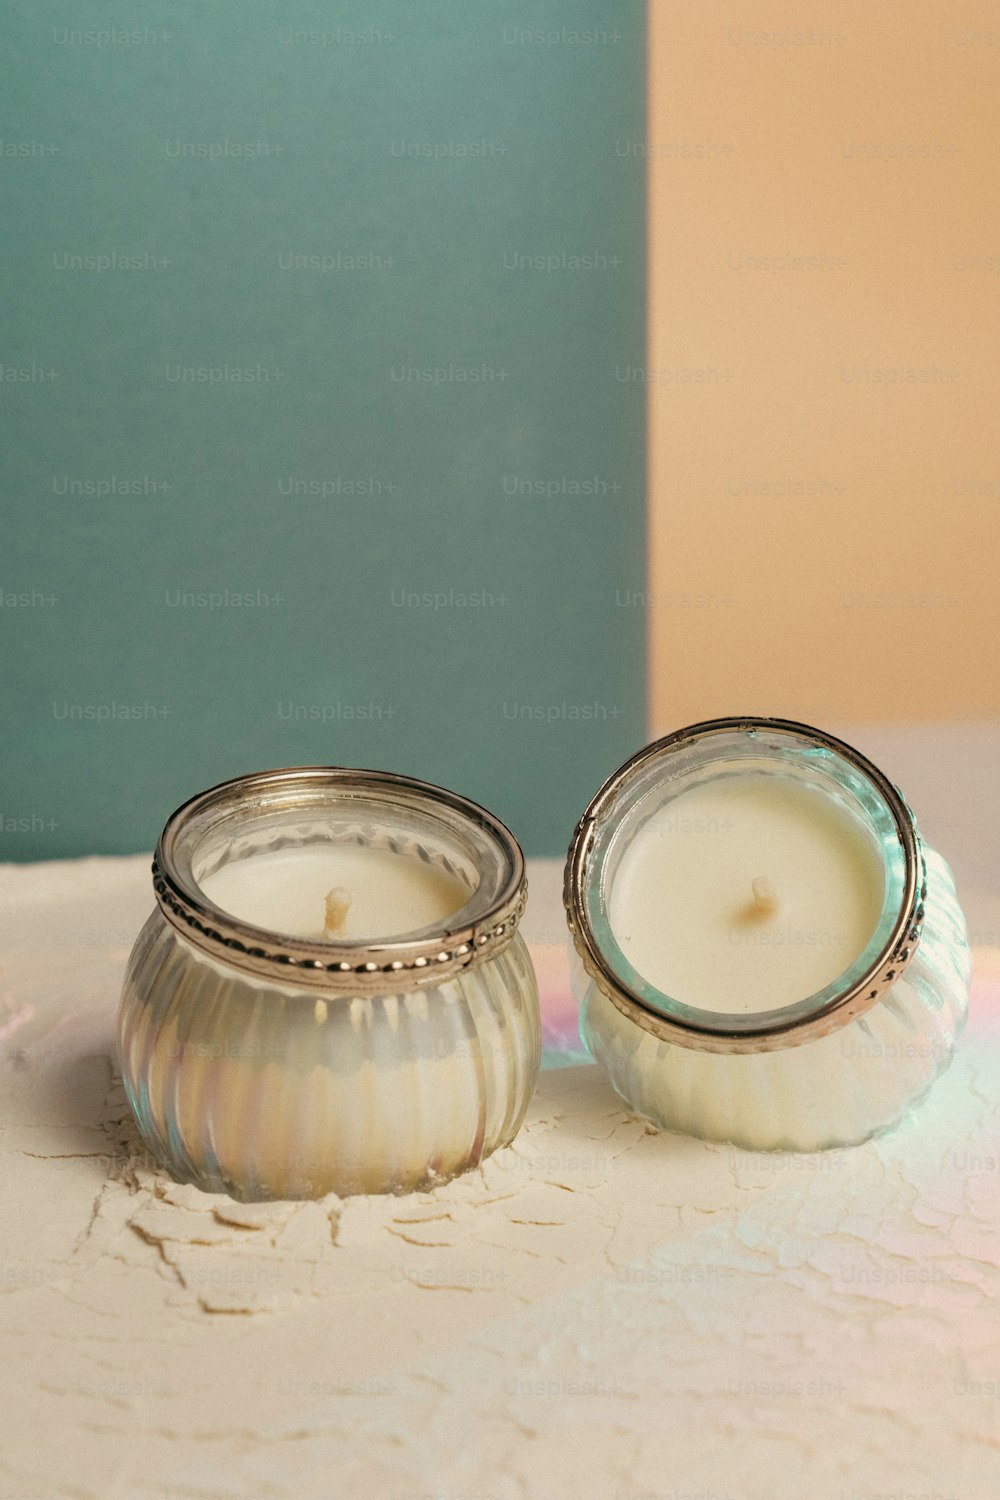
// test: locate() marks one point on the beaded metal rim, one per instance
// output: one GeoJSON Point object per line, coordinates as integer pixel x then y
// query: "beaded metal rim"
{"type": "Point", "coordinates": [351, 968]}
{"type": "Point", "coordinates": [846, 1006]}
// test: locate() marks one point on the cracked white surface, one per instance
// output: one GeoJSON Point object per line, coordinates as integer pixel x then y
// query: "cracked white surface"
{"type": "Point", "coordinates": [599, 1311]}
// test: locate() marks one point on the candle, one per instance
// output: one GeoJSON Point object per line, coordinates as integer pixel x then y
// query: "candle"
{"type": "Point", "coordinates": [342, 891]}
{"type": "Point", "coordinates": [747, 893]}
{"type": "Point", "coordinates": [767, 953]}
{"type": "Point", "coordinates": [332, 994]}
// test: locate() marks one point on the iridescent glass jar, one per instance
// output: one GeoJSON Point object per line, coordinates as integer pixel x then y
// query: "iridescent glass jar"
{"type": "Point", "coordinates": [274, 1064]}
{"type": "Point", "coordinates": [836, 1066]}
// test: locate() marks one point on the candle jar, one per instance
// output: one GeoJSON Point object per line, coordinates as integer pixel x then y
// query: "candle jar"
{"type": "Point", "coordinates": [265, 1065]}
{"type": "Point", "coordinates": [836, 1066]}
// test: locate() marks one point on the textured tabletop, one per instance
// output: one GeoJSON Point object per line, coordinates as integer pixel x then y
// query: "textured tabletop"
{"type": "Point", "coordinates": [599, 1311]}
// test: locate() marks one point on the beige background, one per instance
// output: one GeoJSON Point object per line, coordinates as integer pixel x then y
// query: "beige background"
{"type": "Point", "coordinates": [823, 336]}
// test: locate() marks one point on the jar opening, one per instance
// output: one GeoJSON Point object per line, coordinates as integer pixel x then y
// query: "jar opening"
{"type": "Point", "coordinates": [800, 763]}
{"type": "Point", "coordinates": [452, 872]}
{"type": "Point", "coordinates": [327, 833]}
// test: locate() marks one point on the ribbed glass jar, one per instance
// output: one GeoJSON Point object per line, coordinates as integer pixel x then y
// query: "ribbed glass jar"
{"type": "Point", "coordinates": [831, 1070]}
{"type": "Point", "coordinates": [268, 1066]}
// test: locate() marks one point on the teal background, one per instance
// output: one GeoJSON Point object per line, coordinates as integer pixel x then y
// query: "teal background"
{"type": "Point", "coordinates": [124, 692]}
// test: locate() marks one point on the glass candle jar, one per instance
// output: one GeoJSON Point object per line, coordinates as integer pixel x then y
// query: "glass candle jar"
{"type": "Point", "coordinates": [766, 952]}
{"type": "Point", "coordinates": [332, 994]}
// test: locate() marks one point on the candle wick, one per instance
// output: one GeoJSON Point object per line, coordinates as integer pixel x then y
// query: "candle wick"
{"type": "Point", "coordinates": [765, 897]}
{"type": "Point", "coordinates": [338, 904]}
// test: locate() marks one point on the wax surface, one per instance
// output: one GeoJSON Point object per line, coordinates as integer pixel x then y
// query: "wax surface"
{"type": "Point", "coordinates": [746, 893]}
{"type": "Point", "coordinates": [286, 890]}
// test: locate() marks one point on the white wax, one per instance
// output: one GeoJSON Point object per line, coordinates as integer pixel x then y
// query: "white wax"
{"type": "Point", "coordinates": [286, 890]}
{"type": "Point", "coordinates": [747, 893]}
